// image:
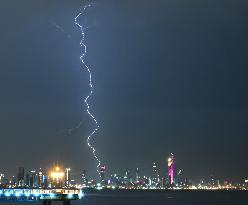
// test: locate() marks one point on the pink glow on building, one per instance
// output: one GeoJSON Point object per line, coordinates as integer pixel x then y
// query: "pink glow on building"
{"type": "Point", "coordinates": [171, 169]}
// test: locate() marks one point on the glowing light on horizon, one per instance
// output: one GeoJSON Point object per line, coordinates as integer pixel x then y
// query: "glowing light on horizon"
{"type": "Point", "coordinates": [82, 59]}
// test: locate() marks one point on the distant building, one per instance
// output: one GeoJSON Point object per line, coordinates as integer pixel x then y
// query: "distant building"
{"type": "Point", "coordinates": [171, 169]}
{"type": "Point", "coordinates": [27, 180]}
{"type": "Point", "coordinates": [127, 177]}
{"type": "Point", "coordinates": [44, 181]}
{"type": "Point", "coordinates": [102, 172]}
{"type": "Point", "coordinates": [1, 178]}
{"type": "Point", "coordinates": [137, 174]}
{"type": "Point", "coordinates": [155, 174]}
{"type": "Point", "coordinates": [20, 177]}
{"type": "Point", "coordinates": [40, 178]}
{"type": "Point", "coordinates": [67, 177]}
{"type": "Point", "coordinates": [84, 179]}
{"type": "Point", "coordinates": [32, 180]}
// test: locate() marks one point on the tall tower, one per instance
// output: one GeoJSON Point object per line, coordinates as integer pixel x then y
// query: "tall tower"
{"type": "Point", "coordinates": [20, 177]}
{"type": "Point", "coordinates": [171, 169]}
{"type": "Point", "coordinates": [32, 179]}
{"type": "Point", "coordinates": [127, 177]}
{"type": "Point", "coordinates": [67, 177]}
{"type": "Point", "coordinates": [40, 175]}
{"type": "Point", "coordinates": [102, 172]}
{"type": "Point", "coordinates": [1, 178]}
{"type": "Point", "coordinates": [137, 173]}
{"type": "Point", "coordinates": [84, 179]}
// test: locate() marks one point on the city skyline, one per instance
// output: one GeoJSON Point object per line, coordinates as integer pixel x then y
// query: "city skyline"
{"type": "Point", "coordinates": [170, 173]}
{"type": "Point", "coordinates": [58, 177]}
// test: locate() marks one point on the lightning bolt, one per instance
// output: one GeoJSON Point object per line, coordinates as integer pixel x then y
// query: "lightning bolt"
{"type": "Point", "coordinates": [82, 59]}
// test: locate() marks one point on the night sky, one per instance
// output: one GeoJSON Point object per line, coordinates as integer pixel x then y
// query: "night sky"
{"type": "Point", "coordinates": [169, 76]}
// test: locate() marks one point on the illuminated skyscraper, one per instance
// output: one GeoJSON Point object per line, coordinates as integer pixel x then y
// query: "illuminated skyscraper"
{"type": "Point", "coordinates": [171, 169]}
{"type": "Point", "coordinates": [27, 180]}
{"type": "Point", "coordinates": [1, 178]}
{"type": "Point", "coordinates": [155, 174]}
{"type": "Point", "coordinates": [32, 179]}
{"type": "Point", "coordinates": [137, 173]}
{"type": "Point", "coordinates": [20, 177]}
{"type": "Point", "coordinates": [84, 179]}
{"type": "Point", "coordinates": [40, 176]}
{"type": "Point", "coordinates": [127, 177]}
{"type": "Point", "coordinates": [102, 172]}
{"type": "Point", "coordinates": [67, 177]}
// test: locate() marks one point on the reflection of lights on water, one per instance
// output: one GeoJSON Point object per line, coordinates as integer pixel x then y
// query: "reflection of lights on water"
{"type": "Point", "coordinates": [80, 195]}
{"type": "Point", "coordinates": [69, 196]}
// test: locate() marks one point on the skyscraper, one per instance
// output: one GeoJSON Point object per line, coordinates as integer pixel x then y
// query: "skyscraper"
{"type": "Point", "coordinates": [40, 178]}
{"type": "Point", "coordinates": [155, 174]}
{"type": "Point", "coordinates": [32, 180]}
{"type": "Point", "coordinates": [1, 178]}
{"type": "Point", "coordinates": [20, 177]}
{"type": "Point", "coordinates": [27, 180]}
{"type": "Point", "coordinates": [67, 177]}
{"type": "Point", "coordinates": [171, 169]}
{"type": "Point", "coordinates": [137, 173]}
{"type": "Point", "coordinates": [84, 179]}
{"type": "Point", "coordinates": [102, 172]}
{"type": "Point", "coordinates": [127, 177]}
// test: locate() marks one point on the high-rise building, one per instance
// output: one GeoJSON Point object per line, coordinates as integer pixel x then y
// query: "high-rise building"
{"type": "Point", "coordinates": [1, 178]}
{"type": "Point", "coordinates": [102, 172]}
{"type": "Point", "coordinates": [155, 174]}
{"type": "Point", "coordinates": [127, 177]}
{"type": "Point", "coordinates": [44, 181]}
{"type": "Point", "coordinates": [13, 181]}
{"type": "Point", "coordinates": [67, 177]}
{"type": "Point", "coordinates": [137, 173]}
{"type": "Point", "coordinates": [32, 181]}
{"type": "Point", "coordinates": [84, 179]}
{"type": "Point", "coordinates": [40, 180]}
{"type": "Point", "coordinates": [27, 180]}
{"type": "Point", "coordinates": [20, 177]}
{"type": "Point", "coordinates": [171, 169]}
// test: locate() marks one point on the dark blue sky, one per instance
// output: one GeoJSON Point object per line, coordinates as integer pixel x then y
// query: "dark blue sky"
{"type": "Point", "coordinates": [169, 76]}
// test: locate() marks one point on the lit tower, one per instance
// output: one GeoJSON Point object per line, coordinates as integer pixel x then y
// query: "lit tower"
{"type": "Point", "coordinates": [137, 173]}
{"type": "Point", "coordinates": [155, 173]}
{"type": "Point", "coordinates": [171, 169]}
{"type": "Point", "coordinates": [20, 177]}
{"type": "Point", "coordinates": [67, 177]}
{"type": "Point", "coordinates": [40, 178]}
{"type": "Point", "coordinates": [1, 178]}
{"type": "Point", "coordinates": [102, 172]}
{"type": "Point", "coordinates": [84, 179]}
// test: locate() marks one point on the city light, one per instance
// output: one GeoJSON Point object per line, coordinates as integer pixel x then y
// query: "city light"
{"type": "Point", "coordinates": [57, 174]}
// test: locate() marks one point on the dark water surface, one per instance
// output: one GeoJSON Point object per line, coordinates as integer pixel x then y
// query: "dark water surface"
{"type": "Point", "coordinates": [160, 198]}
{"type": "Point", "coordinates": [166, 198]}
